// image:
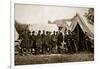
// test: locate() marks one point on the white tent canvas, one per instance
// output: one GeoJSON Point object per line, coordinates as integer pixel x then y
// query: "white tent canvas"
{"type": "Point", "coordinates": [85, 26]}
{"type": "Point", "coordinates": [60, 23]}
{"type": "Point", "coordinates": [16, 35]}
{"type": "Point", "coordinates": [37, 27]}
{"type": "Point", "coordinates": [46, 27]}
{"type": "Point", "coordinates": [71, 23]}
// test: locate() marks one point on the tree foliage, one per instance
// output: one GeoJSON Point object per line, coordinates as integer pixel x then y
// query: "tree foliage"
{"type": "Point", "coordinates": [20, 27]}
{"type": "Point", "coordinates": [90, 15]}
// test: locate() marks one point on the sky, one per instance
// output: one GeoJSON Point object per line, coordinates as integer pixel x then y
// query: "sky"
{"type": "Point", "coordinates": [39, 14]}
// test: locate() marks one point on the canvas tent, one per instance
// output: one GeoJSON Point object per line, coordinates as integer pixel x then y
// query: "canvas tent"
{"type": "Point", "coordinates": [76, 20]}
{"type": "Point", "coordinates": [16, 35]}
{"type": "Point", "coordinates": [82, 28]}
{"type": "Point", "coordinates": [19, 28]}
{"type": "Point", "coordinates": [84, 25]}
{"type": "Point", "coordinates": [46, 27]}
{"type": "Point", "coordinates": [61, 23]}
{"type": "Point", "coordinates": [79, 26]}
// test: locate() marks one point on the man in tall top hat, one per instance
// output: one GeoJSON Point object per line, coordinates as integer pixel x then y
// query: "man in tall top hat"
{"type": "Point", "coordinates": [33, 38]}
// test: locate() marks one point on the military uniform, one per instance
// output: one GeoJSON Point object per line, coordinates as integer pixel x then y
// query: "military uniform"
{"type": "Point", "coordinates": [25, 42]}
{"type": "Point", "coordinates": [43, 39]}
{"type": "Point", "coordinates": [33, 38]}
{"type": "Point", "coordinates": [59, 41]}
{"type": "Point", "coordinates": [73, 43]}
{"type": "Point", "coordinates": [38, 43]}
{"type": "Point", "coordinates": [69, 43]}
{"type": "Point", "coordinates": [87, 43]}
{"type": "Point", "coordinates": [53, 41]}
{"type": "Point", "coordinates": [48, 42]}
{"type": "Point", "coordinates": [65, 40]}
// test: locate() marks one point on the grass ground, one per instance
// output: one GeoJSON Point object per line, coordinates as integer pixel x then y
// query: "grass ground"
{"type": "Point", "coordinates": [53, 58]}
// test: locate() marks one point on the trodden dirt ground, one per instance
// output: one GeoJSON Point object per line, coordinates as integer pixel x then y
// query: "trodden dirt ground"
{"type": "Point", "coordinates": [53, 58]}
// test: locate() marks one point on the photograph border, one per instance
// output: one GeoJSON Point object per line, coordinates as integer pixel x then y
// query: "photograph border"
{"type": "Point", "coordinates": [41, 4]}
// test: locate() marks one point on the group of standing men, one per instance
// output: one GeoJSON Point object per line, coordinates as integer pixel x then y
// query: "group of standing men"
{"type": "Point", "coordinates": [45, 42]}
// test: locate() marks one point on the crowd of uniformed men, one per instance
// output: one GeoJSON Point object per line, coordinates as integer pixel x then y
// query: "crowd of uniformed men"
{"type": "Point", "coordinates": [46, 42]}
